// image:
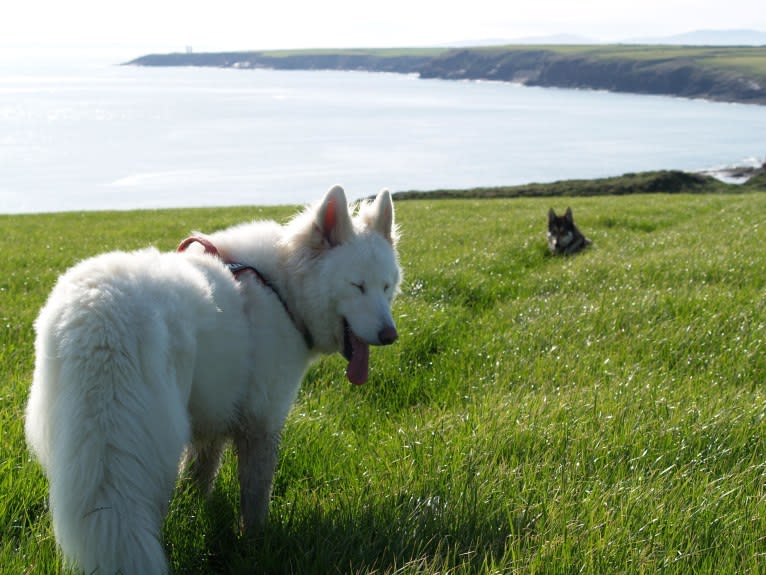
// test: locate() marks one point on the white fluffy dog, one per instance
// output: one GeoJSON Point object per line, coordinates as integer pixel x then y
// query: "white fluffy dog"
{"type": "Point", "coordinates": [142, 355]}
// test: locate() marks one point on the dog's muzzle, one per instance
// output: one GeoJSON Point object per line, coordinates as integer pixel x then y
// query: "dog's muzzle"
{"type": "Point", "coordinates": [388, 335]}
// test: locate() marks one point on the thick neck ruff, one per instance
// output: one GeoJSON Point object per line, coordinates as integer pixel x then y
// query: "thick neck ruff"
{"type": "Point", "coordinates": [237, 268]}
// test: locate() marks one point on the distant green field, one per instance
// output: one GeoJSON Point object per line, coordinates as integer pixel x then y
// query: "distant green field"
{"type": "Point", "coordinates": [604, 413]}
{"type": "Point", "coordinates": [744, 59]}
{"type": "Point", "coordinates": [377, 52]}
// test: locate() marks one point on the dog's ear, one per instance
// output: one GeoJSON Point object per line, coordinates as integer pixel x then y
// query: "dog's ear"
{"type": "Point", "coordinates": [333, 219]}
{"type": "Point", "coordinates": [381, 216]}
{"type": "Point", "coordinates": [551, 215]}
{"type": "Point", "coordinates": [569, 216]}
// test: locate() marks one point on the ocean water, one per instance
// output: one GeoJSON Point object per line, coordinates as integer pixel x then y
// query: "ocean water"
{"type": "Point", "coordinates": [87, 137]}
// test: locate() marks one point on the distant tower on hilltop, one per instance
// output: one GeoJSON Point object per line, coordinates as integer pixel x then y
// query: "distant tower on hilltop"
{"type": "Point", "coordinates": [189, 50]}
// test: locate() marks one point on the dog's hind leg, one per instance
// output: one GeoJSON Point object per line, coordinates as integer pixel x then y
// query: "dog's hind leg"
{"type": "Point", "coordinates": [257, 453]}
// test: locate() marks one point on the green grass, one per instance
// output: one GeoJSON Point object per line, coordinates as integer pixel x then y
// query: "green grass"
{"type": "Point", "coordinates": [604, 413]}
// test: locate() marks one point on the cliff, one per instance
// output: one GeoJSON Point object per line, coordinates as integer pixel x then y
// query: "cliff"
{"type": "Point", "coordinates": [664, 74]}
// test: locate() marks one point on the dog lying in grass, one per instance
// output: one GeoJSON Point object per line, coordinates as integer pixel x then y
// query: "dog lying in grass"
{"type": "Point", "coordinates": [563, 236]}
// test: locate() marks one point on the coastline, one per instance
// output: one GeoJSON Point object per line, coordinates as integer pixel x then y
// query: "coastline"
{"type": "Point", "coordinates": [729, 74]}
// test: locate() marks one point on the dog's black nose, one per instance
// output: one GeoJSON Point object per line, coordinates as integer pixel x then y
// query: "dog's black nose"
{"type": "Point", "coordinates": [387, 335]}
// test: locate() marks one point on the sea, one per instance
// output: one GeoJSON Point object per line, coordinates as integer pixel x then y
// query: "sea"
{"type": "Point", "coordinates": [105, 136]}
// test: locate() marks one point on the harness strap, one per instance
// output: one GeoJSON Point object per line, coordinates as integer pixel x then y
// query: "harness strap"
{"type": "Point", "coordinates": [237, 268]}
{"type": "Point", "coordinates": [207, 244]}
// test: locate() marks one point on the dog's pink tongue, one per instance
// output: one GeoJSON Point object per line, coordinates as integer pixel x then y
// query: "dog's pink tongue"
{"type": "Point", "coordinates": [358, 365]}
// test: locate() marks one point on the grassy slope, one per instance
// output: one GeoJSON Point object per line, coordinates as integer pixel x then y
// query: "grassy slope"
{"type": "Point", "coordinates": [603, 413]}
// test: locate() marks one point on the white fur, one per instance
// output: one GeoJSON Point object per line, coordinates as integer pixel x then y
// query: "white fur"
{"type": "Point", "coordinates": [142, 355]}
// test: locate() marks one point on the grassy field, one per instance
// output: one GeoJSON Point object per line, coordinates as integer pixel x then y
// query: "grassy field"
{"type": "Point", "coordinates": [604, 413]}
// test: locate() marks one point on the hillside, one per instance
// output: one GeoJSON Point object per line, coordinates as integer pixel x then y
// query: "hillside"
{"type": "Point", "coordinates": [728, 74]}
{"type": "Point", "coordinates": [662, 181]}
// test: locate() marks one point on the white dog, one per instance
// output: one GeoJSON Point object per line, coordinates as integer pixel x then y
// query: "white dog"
{"type": "Point", "coordinates": [141, 355]}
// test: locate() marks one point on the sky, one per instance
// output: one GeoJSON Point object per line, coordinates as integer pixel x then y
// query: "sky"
{"type": "Point", "coordinates": [142, 26]}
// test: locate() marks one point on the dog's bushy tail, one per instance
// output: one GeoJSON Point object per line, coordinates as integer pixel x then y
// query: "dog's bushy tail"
{"type": "Point", "coordinates": [100, 419]}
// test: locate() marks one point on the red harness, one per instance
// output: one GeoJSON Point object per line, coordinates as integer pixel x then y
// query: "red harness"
{"type": "Point", "coordinates": [236, 269]}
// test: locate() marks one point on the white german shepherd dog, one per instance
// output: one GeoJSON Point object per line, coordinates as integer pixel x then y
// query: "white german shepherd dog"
{"type": "Point", "coordinates": [141, 356]}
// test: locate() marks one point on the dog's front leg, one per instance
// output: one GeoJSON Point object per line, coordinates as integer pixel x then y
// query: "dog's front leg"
{"type": "Point", "coordinates": [257, 453]}
{"type": "Point", "coordinates": [201, 462]}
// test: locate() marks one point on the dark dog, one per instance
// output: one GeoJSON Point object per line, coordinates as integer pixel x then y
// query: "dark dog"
{"type": "Point", "coordinates": [563, 236]}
